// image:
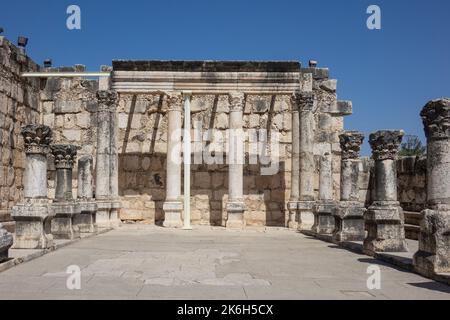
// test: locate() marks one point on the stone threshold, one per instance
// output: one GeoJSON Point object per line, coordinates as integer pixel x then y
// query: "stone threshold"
{"type": "Point", "coordinates": [403, 260]}
{"type": "Point", "coordinates": [19, 256]}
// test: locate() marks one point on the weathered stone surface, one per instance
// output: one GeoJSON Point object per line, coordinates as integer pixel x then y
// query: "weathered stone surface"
{"type": "Point", "coordinates": [63, 225]}
{"type": "Point", "coordinates": [433, 256]}
{"type": "Point", "coordinates": [385, 218]}
{"type": "Point", "coordinates": [6, 241]}
{"type": "Point", "coordinates": [64, 156]}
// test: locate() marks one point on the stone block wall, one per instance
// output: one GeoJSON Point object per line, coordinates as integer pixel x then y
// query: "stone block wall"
{"type": "Point", "coordinates": [411, 183]}
{"type": "Point", "coordinates": [19, 105]}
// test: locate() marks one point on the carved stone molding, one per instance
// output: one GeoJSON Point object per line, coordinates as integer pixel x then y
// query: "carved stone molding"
{"type": "Point", "coordinates": [65, 155]}
{"type": "Point", "coordinates": [436, 119]}
{"type": "Point", "coordinates": [296, 100]}
{"type": "Point", "coordinates": [351, 144]}
{"type": "Point", "coordinates": [236, 100]}
{"type": "Point", "coordinates": [37, 138]}
{"type": "Point", "coordinates": [385, 144]}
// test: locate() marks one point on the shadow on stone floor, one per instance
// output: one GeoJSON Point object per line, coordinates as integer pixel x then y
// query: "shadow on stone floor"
{"type": "Point", "coordinates": [431, 285]}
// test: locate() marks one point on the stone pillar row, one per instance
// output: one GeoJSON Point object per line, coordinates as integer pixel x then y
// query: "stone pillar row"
{"type": "Point", "coordinates": [173, 205]}
{"type": "Point", "coordinates": [38, 220]}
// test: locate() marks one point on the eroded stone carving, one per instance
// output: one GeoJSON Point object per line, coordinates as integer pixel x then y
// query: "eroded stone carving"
{"type": "Point", "coordinates": [433, 256]}
{"type": "Point", "coordinates": [385, 218]}
{"type": "Point", "coordinates": [349, 214]}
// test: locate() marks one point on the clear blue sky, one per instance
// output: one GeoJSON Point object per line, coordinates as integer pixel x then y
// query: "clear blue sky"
{"type": "Point", "coordinates": [389, 74]}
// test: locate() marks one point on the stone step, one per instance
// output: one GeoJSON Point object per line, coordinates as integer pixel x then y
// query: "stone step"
{"type": "Point", "coordinates": [412, 231]}
{"type": "Point", "coordinates": [412, 218]}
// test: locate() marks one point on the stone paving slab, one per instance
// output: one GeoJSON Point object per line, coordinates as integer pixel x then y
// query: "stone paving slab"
{"type": "Point", "coordinates": [149, 262]}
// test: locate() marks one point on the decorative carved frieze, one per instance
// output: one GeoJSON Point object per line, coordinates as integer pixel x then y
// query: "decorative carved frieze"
{"type": "Point", "coordinates": [306, 101]}
{"type": "Point", "coordinates": [351, 144]}
{"type": "Point", "coordinates": [436, 119]}
{"type": "Point", "coordinates": [65, 155]}
{"type": "Point", "coordinates": [385, 144]}
{"type": "Point", "coordinates": [37, 138]}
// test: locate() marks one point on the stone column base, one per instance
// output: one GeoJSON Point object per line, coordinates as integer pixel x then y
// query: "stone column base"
{"type": "Point", "coordinates": [107, 215]}
{"type": "Point", "coordinates": [63, 225]}
{"type": "Point", "coordinates": [385, 229]}
{"type": "Point", "coordinates": [305, 215]}
{"type": "Point", "coordinates": [33, 225]}
{"type": "Point", "coordinates": [323, 218]}
{"type": "Point", "coordinates": [235, 219]}
{"type": "Point", "coordinates": [433, 256]}
{"type": "Point", "coordinates": [292, 207]}
{"type": "Point", "coordinates": [172, 214]}
{"type": "Point", "coordinates": [86, 219]}
{"type": "Point", "coordinates": [349, 222]}
{"type": "Point", "coordinates": [6, 241]}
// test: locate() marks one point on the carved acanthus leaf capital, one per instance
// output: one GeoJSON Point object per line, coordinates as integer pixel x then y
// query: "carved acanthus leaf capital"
{"type": "Point", "coordinates": [385, 144]}
{"type": "Point", "coordinates": [174, 100]}
{"type": "Point", "coordinates": [306, 101]}
{"type": "Point", "coordinates": [65, 155]}
{"type": "Point", "coordinates": [296, 100]}
{"type": "Point", "coordinates": [106, 99]}
{"type": "Point", "coordinates": [436, 119]}
{"type": "Point", "coordinates": [37, 138]}
{"type": "Point", "coordinates": [236, 100]}
{"type": "Point", "coordinates": [351, 144]}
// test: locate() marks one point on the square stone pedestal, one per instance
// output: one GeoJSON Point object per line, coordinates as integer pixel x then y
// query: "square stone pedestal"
{"type": "Point", "coordinates": [172, 214]}
{"type": "Point", "coordinates": [305, 215]}
{"type": "Point", "coordinates": [235, 219]}
{"type": "Point", "coordinates": [64, 223]}
{"type": "Point", "coordinates": [323, 217]}
{"type": "Point", "coordinates": [33, 225]}
{"type": "Point", "coordinates": [6, 241]}
{"type": "Point", "coordinates": [86, 219]}
{"type": "Point", "coordinates": [349, 222]}
{"type": "Point", "coordinates": [385, 229]}
{"type": "Point", "coordinates": [107, 215]}
{"type": "Point", "coordinates": [433, 256]}
{"type": "Point", "coordinates": [292, 207]}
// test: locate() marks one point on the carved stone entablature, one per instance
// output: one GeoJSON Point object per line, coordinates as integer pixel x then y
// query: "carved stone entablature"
{"type": "Point", "coordinates": [351, 144]}
{"type": "Point", "coordinates": [107, 100]}
{"type": "Point", "coordinates": [306, 101]}
{"type": "Point", "coordinates": [436, 119]}
{"type": "Point", "coordinates": [65, 155]}
{"type": "Point", "coordinates": [296, 100]}
{"type": "Point", "coordinates": [385, 144]}
{"type": "Point", "coordinates": [236, 100]}
{"type": "Point", "coordinates": [37, 138]}
{"type": "Point", "coordinates": [174, 100]}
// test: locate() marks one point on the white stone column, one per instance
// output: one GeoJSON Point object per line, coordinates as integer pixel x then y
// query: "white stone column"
{"type": "Point", "coordinates": [33, 217]}
{"type": "Point", "coordinates": [349, 214]}
{"type": "Point", "coordinates": [433, 256]}
{"type": "Point", "coordinates": [173, 205]}
{"type": "Point", "coordinates": [106, 164]}
{"type": "Point", "coordinates": [307, 168]}
{"type": "Point", "coordinates": [88, 208]}
{"type": "Point", "coordinates": [323, 209]}
{"type": "Point", "coordinates": [235, 204]}
{"type": "Point", "coordinates": [385, 219]}
{"type": "Point", "coordinates": [295, 170]}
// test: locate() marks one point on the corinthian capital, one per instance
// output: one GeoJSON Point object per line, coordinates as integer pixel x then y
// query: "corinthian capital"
{"type": "Point", "coordinates": [37, 138]}
{"type": "Point", "coordinates": [351, 144]}
{"type": "Point", "coordinates": [296, 100]}
{"type": "Point", "coordinates": [65, 155]}
{"type": "Point", "coordinates": [306, 101]}
{"type": "Point", "coordinates": [236, 99]}
{"type": "Point", "coordinates": [106, 99]}
{"type": "Point", "coordinates": [385, 144]}
{"type": "Point", "coordinates": [436, 119]}
{"type": "Point", "coordinates": [174, 100]}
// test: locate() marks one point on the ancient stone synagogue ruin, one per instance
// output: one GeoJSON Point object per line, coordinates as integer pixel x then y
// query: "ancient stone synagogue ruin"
{"type": "Point", "coordinates": [268, 148]}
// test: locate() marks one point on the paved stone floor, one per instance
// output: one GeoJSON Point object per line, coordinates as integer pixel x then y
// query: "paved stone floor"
{"type": "Point", "coordinates": [148, 262]}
